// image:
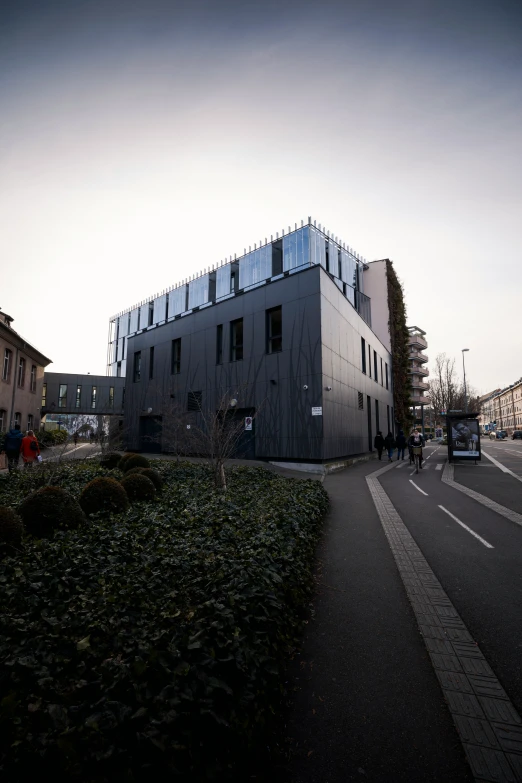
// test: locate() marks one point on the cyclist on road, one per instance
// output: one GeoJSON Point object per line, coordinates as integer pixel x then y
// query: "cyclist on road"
{"type": "Point", "coordinates": [415, 441]}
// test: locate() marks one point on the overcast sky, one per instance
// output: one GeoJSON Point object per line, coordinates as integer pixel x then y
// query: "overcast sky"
{"type": "Point", "coordinates": [143, 141]}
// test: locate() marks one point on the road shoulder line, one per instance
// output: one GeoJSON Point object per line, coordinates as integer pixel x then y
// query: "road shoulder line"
{"type": "Point", "coordinates": [474, 696]}
{"type": "Point", "coordinates": [501, 466]}
{"type": "Point", "coordinates": [448, 477]}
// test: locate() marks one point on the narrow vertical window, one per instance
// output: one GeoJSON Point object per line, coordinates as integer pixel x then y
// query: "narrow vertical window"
{"type": "Point", "coordinates": [30, 421]}
{"type": "Point", "coordinates": [62, 396]}
{"type": "Point", "coordinates": [175, 359]}
{"type": "Point", "coordinates": [151, 363]}
{"type": "Point", "coordinates": [274, 330]}
{"type": "Point", "coordinates": [382, 375]}
{"type": "Point", "coordinates": [363, 355]}
{"type": "Point", "coordinates": [137, 366]}
{"type": "Point", "coordinates": [386, 368]}
{"type": "Point", "coordinates": [93, 396]}
{"type": "Point", "coordinates": [21, 372]}
{"type": "Point", "coordinates": [18, 419]}
{"type": "Point", "coordinates": [6, 369]}
{"type": "Point", "coordinates": [3, 413]}
{"type": "Point", "coordinates": [369, 361]}
{"type": "Point", "coordinates": [151, 313]}
{"type": "Point", "coordinates": [219, 344]}
{"type": "Point", "coordinates": [33, 380]}
{"type": "Point", "coordinates": [375, 367]}
{"type": "Point", "coordinates": [44, 395]}
{"type": "Point", "coordinates": [111, 396]}
{"type": "Point", "coordinates": [377, 422]}
{"type": "Point", "coordinates": [78, 400]}
{"type": "Point", "coordinates": [236, 340]}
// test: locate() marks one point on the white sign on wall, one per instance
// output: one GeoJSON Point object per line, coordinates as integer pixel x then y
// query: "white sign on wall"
{"type": "Point", "coordinates": [317, 411]}
{"type": "Point", "coordinates": [248, 422]}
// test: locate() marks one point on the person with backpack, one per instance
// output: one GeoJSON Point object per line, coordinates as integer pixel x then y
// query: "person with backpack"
{"type": "Point", "coordinates": [30, 449]}
{"type": "Point", "coordinates": [415, 441]}
{"type": "Point", "coordinates": [389, 442]}
{"type": "Point", "coordinates": [401, 445]}
{"type": "Point", "coordinates": [12, 446]}
{"type": "Point", "coordinates": [379, 443]}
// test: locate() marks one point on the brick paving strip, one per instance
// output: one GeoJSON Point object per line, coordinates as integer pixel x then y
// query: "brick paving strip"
{"type": "Point", "coordinates": [489, 727]}
{"type": "Point", "coordinates": [448, 477]}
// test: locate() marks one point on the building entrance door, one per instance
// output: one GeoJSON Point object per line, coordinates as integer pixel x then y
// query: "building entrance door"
{"type": "Point", "coordinates": [150, 434]}
{"type": "Point", "coordinates": [245, 445]}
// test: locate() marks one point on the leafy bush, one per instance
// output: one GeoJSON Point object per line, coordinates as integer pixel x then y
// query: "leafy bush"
{"type": "Point", "coordinates": [110, 460]}
{"type": "Point", "coordinates": [49, 508]}
{"type": "Point", "coordinates": [11, 528]}
{"type": "Point", "coordinates": [135, 461]}
{"type": "Point", "coordinates": [124, 459]}
{"type": "Point", "coordinates": [153, 646]}
{"type": "Point", "coordinates": [138, 487]}
{"type": "Point", "coordinates": [151, 474]}
{"type": "Point", "coordinates": [104, 495]}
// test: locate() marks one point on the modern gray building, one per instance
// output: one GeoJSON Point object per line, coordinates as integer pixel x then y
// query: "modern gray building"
{"type": "Point", "coordinates": [284, 331]}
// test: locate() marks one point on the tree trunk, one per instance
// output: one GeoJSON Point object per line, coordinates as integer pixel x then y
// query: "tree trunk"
{"type": "Point", "coordinates": [219, 476]}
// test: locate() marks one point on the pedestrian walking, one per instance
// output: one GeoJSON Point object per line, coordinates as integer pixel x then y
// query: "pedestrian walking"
{"type": "Point", "coordinates": [401, 445]}
{"type": "Point", "coordinates": [75, 438]}
{"type": "Point", "coordinates": [13, 444]}
{"type": "Point", "coordinates": [30, 449]}
{"type": "Point", "coordinates": [389, 442]}
{"type": "Point", "coordinates": [379, 443]}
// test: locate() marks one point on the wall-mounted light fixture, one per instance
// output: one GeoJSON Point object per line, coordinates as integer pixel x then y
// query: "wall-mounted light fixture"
{"type": "Point", "coordinates": [328, 388]}
{"type": "Point", "coordinates": [233, 402]}
{"type": "Point", "coordinates": [305, 387]}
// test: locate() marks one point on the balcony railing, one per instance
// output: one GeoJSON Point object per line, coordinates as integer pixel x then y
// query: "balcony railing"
{"type": "Point", "coordinates": [419, 384]}
{"type": "Point", "coordinates": [420, 400]}
{"type": "Point", "coordinates": [417, 339]}
{"type": "Point", "coordinates": [419, 371]}
{"type": "Point", "coordinates": [418, 355]}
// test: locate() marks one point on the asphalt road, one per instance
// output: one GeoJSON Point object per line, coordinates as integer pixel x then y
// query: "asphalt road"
{"type": "Point", "coordinates": [485, 584]}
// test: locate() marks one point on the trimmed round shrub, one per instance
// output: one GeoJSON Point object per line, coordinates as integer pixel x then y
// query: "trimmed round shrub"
{"type": "Point", "coordinates": [138, 487]}
{"type": "Point", "coordinates": [151, 474]}
{"type": "Point", "coordinates": [110, 460]}
{"type": "Point", "coordinates": [49, 508]}
{"type": "Point", "coordinates": [135, 461]}
{"type": "Point", "coordinates": [104, 495]}
{"type": "Point", "coordinates": [124, 459]}
{"type": "Point", "coordinates": [11, 527]}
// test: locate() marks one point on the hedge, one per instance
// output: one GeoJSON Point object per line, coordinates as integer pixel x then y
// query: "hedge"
{"type": "Point", "coordinates": [152, 645]}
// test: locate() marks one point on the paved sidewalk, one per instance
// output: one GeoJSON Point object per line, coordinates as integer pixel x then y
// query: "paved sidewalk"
{"type": "Point", "coordinates": [367, 702]}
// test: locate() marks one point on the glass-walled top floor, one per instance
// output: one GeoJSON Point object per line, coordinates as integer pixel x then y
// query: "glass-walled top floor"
{"type": "Point", "coordinates": [287, 253]}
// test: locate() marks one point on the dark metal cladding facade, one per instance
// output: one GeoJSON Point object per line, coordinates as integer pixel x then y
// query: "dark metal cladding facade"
{"type": "Point", "coordinates": [321, 350]}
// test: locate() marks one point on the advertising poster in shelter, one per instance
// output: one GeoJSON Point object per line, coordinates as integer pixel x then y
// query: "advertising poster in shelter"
{"type": "Point", "coordinates": [463, 437]}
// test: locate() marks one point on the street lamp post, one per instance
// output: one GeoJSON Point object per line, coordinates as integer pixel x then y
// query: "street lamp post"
{"type": "Point", "coordinates": [465, 390]}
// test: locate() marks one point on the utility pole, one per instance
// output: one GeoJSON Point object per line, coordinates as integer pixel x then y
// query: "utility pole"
{"type": "Point", "coordinates": [465, 390]}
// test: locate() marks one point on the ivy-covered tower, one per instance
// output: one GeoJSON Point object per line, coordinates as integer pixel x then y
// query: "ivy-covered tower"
{"type": "Point", "coordinates": [384, 288]}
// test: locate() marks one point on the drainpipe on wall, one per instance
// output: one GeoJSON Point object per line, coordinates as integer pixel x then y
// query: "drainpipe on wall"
{"type": "Point", "coordinates": [11, 422]}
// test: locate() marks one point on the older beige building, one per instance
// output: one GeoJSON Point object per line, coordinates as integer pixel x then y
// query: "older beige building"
{"type": "Point", "coordinates": [21, 379]}
{"type": "Point", "coordinates": [504, 408]}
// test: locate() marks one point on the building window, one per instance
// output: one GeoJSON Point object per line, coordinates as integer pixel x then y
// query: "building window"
{"type": "Point", "coordinates": [118, 370]}
{"type": "Point", "coordinates": [194, 401]}
{"type": "Point", "coordinates": [363, 354]}
{"type": "Point", "coordinates": [274, 330]}
{"type": "Point", "coordinates": [151, 363]}
{"type": "Point", "coordinates": [62, 396]}
{"type": "Point", "coordinates": [111, 396]}
{"type": "Point", "coordinates": [382, 375]}
{"type": "Point", "coordinates": [377, 423]}
{"type": "Point", "coordinates": [6, 369]}
{"type": "Point", "coordinates": [30, 421]}
{"type": "Point", "coordinates": [21, 372]}
{"type": "Point", "coordinates": [33, 380]}
{"type": "Point", "coordinates": [369, 361]}
{"type": "Point", "coordinates": [175, 357]}
{"type": "Point", "coordinates": [137, 366]}
{"type": "Point", "coordinates": [44, 395]}
{"type": "Point", "coordinates": [386, 368]}
{"type": "Point", "coordinates": [18, 419]}
{"type": "Point", "coordinates": [360, 400]}
{"type": "Point", "coordinates": [151, 313]}
{"type": "Point", "coordinates": [3, 414]}
{"type": "Point", "coordinates": [78, 400]}
{"type": "Point", "coordinates": [387, 407]}
{"type": "Point", "coordinates": [236, 340]}
{"type": "Point", "coordinates": [219, 344]}
{"type": "Point", "coordinates": [93, 396]}
{"type": "Point", "coordinates": [375, 367]}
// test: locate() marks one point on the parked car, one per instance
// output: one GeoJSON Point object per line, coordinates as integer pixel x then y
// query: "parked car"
{"type": "Point", "coordinates": [501, 434]}
{"type": "Point", "coordinates": [517, 435]}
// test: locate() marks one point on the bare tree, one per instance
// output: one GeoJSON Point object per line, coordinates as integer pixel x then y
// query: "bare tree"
{"type": "Point", "coordinates": [447, 390]}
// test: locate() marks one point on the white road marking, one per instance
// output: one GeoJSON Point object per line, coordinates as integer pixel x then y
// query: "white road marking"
{"type": "Point", "coordinates": [439, 466]}
{"type": "Point", "coordinates": [482, 540]}
{"type": "Point", "coordinates": [416, 487]}
{"type": "Point", "coordinates": [512, 451]}
{"type": "Point", "coordinates": [400, 466]}
{"type": "Point", "coordinates": [501, 466]}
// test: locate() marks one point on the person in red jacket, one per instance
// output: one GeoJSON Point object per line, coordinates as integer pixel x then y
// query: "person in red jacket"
{"type": "Point", "coordinates": [30, 449]}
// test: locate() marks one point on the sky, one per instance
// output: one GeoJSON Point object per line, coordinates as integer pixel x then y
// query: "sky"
{"type": "Point", "coordinates": [143, 141]}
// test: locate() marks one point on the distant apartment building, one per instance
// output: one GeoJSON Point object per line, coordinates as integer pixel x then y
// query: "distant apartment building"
{"type": "Point", "coordinates": [502, 410]}
{"type": "Point", "coordinates": [418, 372]}
{"type": "Point", "coordinates": [21, 382]}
